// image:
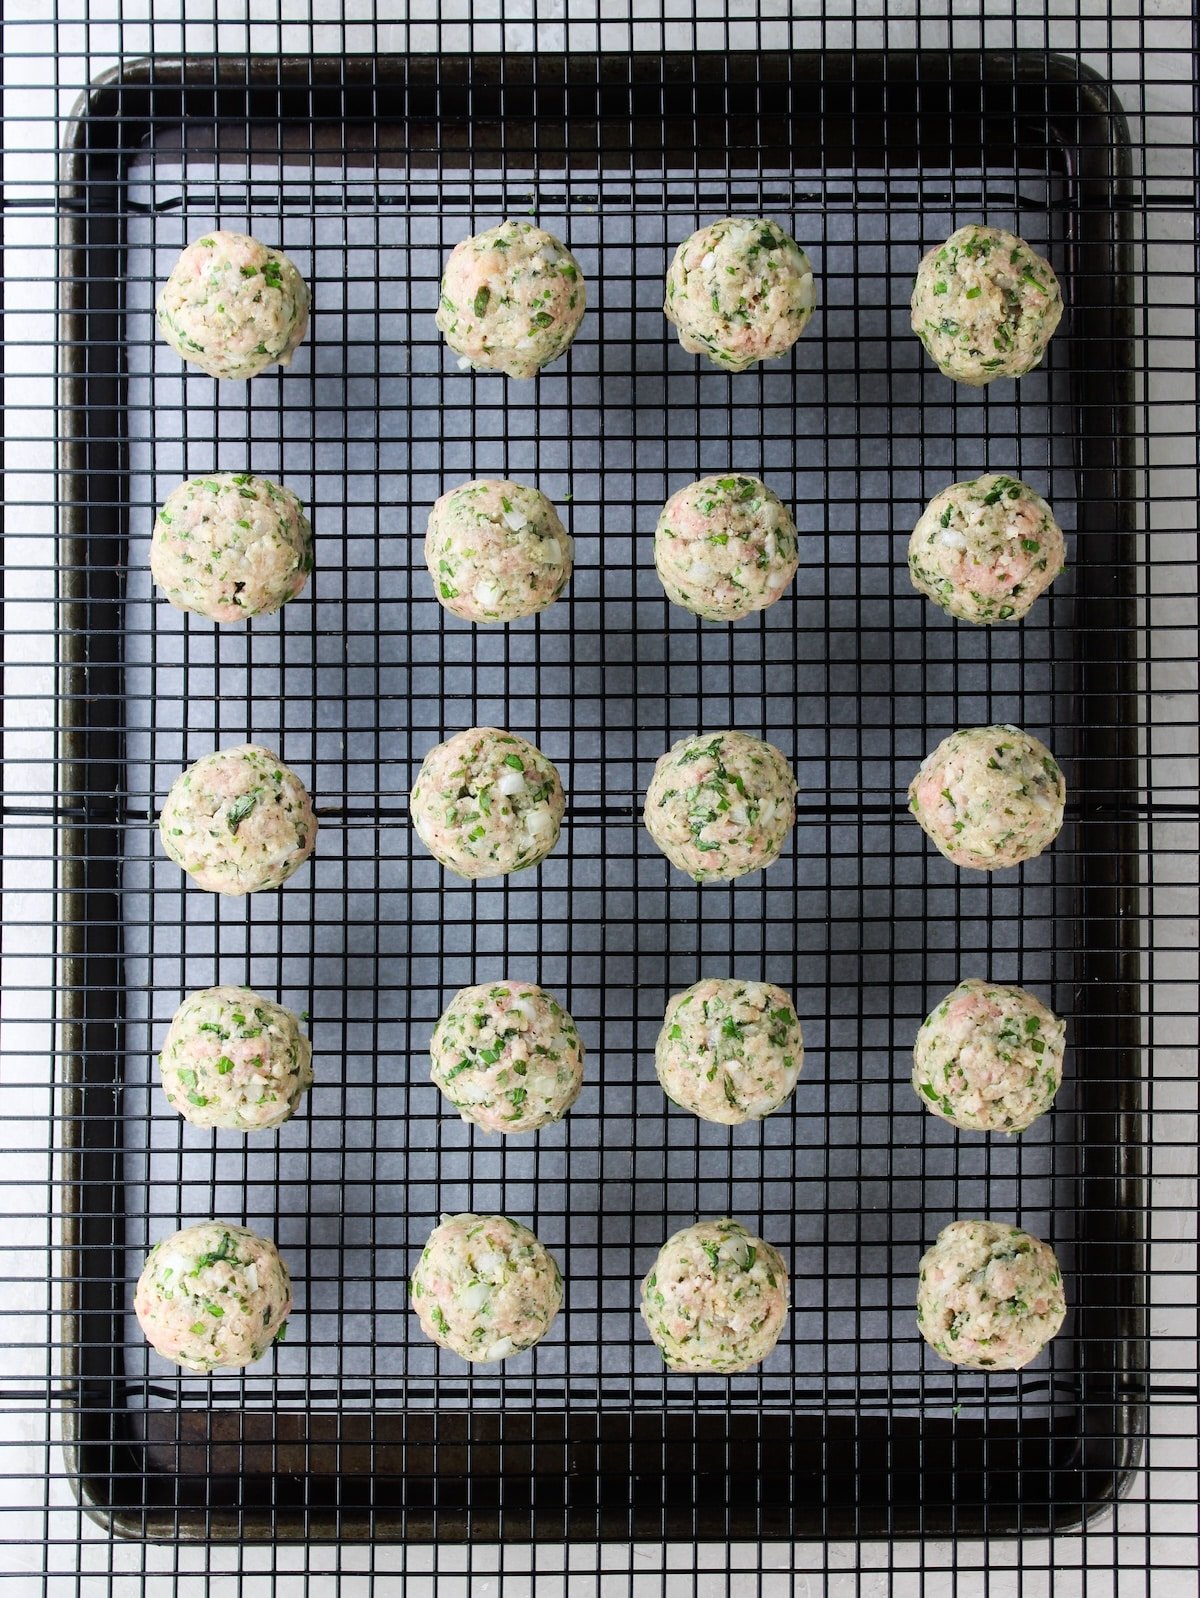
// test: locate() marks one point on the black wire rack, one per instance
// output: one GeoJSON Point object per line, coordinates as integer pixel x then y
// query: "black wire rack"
{"type": "Point", "coordinates": [367, 169]}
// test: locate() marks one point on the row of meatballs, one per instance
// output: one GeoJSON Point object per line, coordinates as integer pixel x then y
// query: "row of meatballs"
{"type": "Point", "coordinates": [715, 1300]}
{"type": "Point", "coordinates": [487, 803]}
{"type": "Point", "coordinates": [232, 546]}
{"type": "Point", "coordinates": [508, 1056]}
{"type": "Point", "coordinates": [739, 291]}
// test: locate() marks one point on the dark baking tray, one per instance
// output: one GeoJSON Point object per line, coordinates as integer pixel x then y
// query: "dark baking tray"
{"type": "Point", "coordinates": [686, 1469]}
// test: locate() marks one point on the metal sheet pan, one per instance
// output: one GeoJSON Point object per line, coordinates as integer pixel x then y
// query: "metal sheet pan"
{"type": "Point", "coordinates": [367, 173]}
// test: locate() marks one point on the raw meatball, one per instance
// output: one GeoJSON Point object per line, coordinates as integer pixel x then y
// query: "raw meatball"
{"type": "Point", "coordinates": [497, 551]}
{"type": "Point", "coordinates": [486, 803]}
{"type": "Point", "coordinates": [989, 1058]}
{"type": "Point", "coordinates": [989, 797]}
{"type": "Point", "coordinates": [729, 1051]}
{"type": "Point", "coordinates": [484, 1287]}
{"type": "Point", "coordinates": [231, 546]}
{"type": "Point", "coordinates": [985, 305]}
{"type": "Point", "coordinates": [512, 299]}
{"type": "Point", "coordinates": [739, 291]}
{"type": "Point", "coordinates": [237, 821]}
{"type": "Point", "coordinates": [232, 306]}
{"type": "Point", "coordinates": [213, 1295]}
{"type": "Point", "coordinates": [986, 549]}
{"type": "Point", "coordinates": [716, 1298]}
{"type": "Point", "coordinates": [721, 804]}
{"type": "Point", "coordinates": [507, 1056]}
{"type": "Point", "coordinates": [234, 1059]}
{"type": "Point", "coordinates": [725, 547]}
{"type": "Point", "coordinates": [990, 1296]}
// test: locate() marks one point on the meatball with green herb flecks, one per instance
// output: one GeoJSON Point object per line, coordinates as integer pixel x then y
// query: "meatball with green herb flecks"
{"type": "Point", "coordinates": [990, 1296]}
{"type": "Point", "coordinates": [236, 1060]}
{"type": "Point", "coordinates": [721, 804]}
{"type": "Point", "coordinates": [989, 1058]}
{"type": "Point", "coordinates": [486, 803]}
{"type": "Point", "coordinates": [231, 546]}
{"type": "Point", "coordinates": [725, 547]}
{"type": "Point", "coordinates": [485, 1287]}
{"type": "Point", "coordinates": [715, 1299]}
{"type": "Point", "coordinates": [989, 797]}
{"type": "Point", "coordinates": [729, 1051]}
{"type": "Point", "coordinates": [233, 306]}
{"type": "Point", "coordinates": [985, 305]}
{"type": "Point", "coordinates": [214, 1295]}
{"type": "Point", "coordinates": [507, 1056]}
{"type": "Point", "coordinates": [238, 821]}
{"type": "Point", "coordinates": [497, 551]}
{"type": "Point", "coordinates": [511, 299]}
{"type": "Point", "coordinates": [739, 291]}
{"type": "Point", "coordinates": [984, 550]}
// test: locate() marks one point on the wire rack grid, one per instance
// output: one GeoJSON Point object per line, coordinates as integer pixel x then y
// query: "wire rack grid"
{"type": "Point", "coordinates": [367, 177]}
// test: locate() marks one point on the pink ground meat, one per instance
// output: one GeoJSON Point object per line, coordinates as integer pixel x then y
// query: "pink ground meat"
{"type": "Point", "coordinates": [721, 804]}
{"type": "Point", "coordinates": [486, 803]}
{"type": "Point", "coordinates": [725, 547]}
{"type": "Point", "coordinates": [989, 797]}
{"type": "Point", "coordinates": [511, 299]}
{"type": "Point", "coordinates": [497, 551]}
{"type": "Point", "coordinates": [989, 1058]}
{"type": "Point", "coordinates": [990, 1296]}
{"type": "Point", "coordinates": [238, 821]}
{"type": "Point", "coordinates": [233, 306]}
{"type": "Point", "coordinates": [739, 290]}
{"type": "Point", "coordinates": [212, 1296]}
{"type": "Point", "coordinates": [984, 550]}
{"type": "Point", "coordinates": [715, 1299]}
